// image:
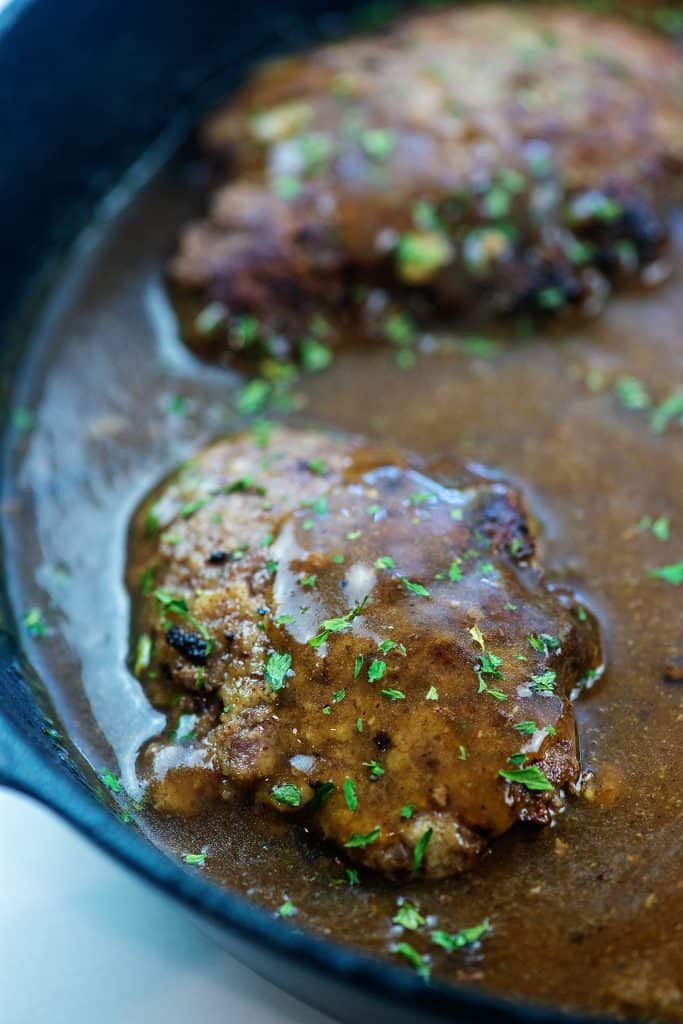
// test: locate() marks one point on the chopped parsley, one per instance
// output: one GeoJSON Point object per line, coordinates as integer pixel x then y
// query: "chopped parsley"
{"type": "Point", "coordinates": [337, 625]}
{"type": "Point", "coordinates": [34, 623]}
{"type": "Point", "coordinates": [376, 769]}
{"type": "Point", "coordinates": [544, 682]}
{"type": "Point", "coordinates": [670, 573]}
{"type": "Point", "coordinates": [174, 605]}
{"type": "Point", "coordinates": [253, 396]}
{"type": "Point", "coordinates": [465, 937]}
{"type": "Point", "coordinates": [671, 408]}
{"type": "Point", "coordinates": [317, 466]}
{"type": "Point", "coordinates": [544, 643]}
{"type": "Point", "coordinates": [414, 958]}
{"type": "Point", "coordinates": [631, 393]}
{"type": "Point", "coordinates": [393, 694]}
{"type": "Point", "coordinates": [420, 850]}
{"type": "Point", "coordinates": [384, 562]}
{"type": "Point", "coordinates": [414, 588]}
{"type": "Point", "coordinates": [199, 859]}
{"type": "Point", "coordinates": [526, 728]}
{"type": "Point", "coordinates": [350, 794]}
{"type": "Point", "coordinates": [477, 636]}
{"type": "Point", "coordinates": [378, 143]}
{"type": "Point", "coordinates": [432, 693]}
{"type": "Point", "coordinates": [287, 793]}
{"type": "Point", "coordinates": [407, 811]}
{"type": "Point", "coordinates": [357, 665]}
{"type": "Point", "coordinates": [143, 654]}
{"type": "Point", "coordinates": [191, 507]}
{"type": "Point", "coordinates": [376, 670]}
{"type": "Point", "coordinates": [532, 777]}
{"type": "Point", "coordinates": [276, 670]}
{"type": "Point", "coordinates": [454, 572]}
{"type": "Point", "coordinates": [408, 916]}
{"type": "Point", "coordinates": [110, 780]}
{"type": "Point", "coordinates": [357, 840]}
{"type": "Point", "coordinates": [287, 909]}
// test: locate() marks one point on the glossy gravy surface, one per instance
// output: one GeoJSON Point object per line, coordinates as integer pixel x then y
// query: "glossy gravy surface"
{"type": "Point", "coordinates": [587, 914]}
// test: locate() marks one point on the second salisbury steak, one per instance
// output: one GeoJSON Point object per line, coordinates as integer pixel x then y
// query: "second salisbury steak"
{"type": "Point", "coordinates": [359, 638]}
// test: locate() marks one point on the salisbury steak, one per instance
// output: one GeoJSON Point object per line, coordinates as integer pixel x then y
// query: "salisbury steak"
{"type": "Point", "coordinates": [492, 159]}
{"type": "Point", "coordinates": [358, 638]}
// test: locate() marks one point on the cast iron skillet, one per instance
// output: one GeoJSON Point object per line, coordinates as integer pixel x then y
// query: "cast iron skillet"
{"type": "Point", "coordinates": [84, 89]}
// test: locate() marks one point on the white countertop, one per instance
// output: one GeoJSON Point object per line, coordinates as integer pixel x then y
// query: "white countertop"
{"type": "Point", "coordinates": [82, 941]}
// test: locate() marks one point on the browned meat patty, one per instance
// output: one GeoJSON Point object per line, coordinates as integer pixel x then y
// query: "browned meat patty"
{"type": "Point", "coordinates": [492, 159]}
{"type": "Point", "coordinates": [361, 639]}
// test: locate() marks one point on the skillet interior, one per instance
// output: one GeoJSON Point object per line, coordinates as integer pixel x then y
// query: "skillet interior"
{"type": "Point", "coordinates": [71, 797]}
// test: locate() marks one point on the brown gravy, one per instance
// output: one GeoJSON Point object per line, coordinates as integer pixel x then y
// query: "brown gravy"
{"type": "Point", "coordinates": [586, 915]}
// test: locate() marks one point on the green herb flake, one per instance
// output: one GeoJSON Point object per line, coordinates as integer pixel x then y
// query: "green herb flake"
{"type": "Point", "coordinates": [253, 396]}
{"type": "Point", "coordinates": [432, 693]}
{"type": "Point", "coordinates": [287, 187]}
{"type": "Point", "coordinates": [420, 850]}
{"type": "Point", "coordinates": [276, 670]}
{"type": "Point", "coordinates": [526, 728]}
{"type": "Point", "coordinates": [414, 958]}
{"type": "Point", "coordinates": [287, 909]}
{"type": "Point", "coordinates": [532, 778]}
{"type": "Point", "coordinates": [315, 356]}
{"type": "Point", "coordinates": [465, 937]}
{"type": "Point", "coordinates": [393, 694]}
{"type": "Point", "coordinates": [337, 625]}
{"type": "Point", "coordinates": [318, 466]}
{"type": "Point", "coordinates": [143, 654]}
{"type": "Point", "coordinates": [350, 794]}
{"type": "Point", "coordinates": [631, 394]}
{"type": "Point", "coordinates": [34, 623]}
{"type": "Point", "coordinates": [672, 574]}
{"type": "Point", "coordinates": [110, 780]}
{"type": "Point", "coordinates": [670, 409]}
{"type": "Point", "coordinates": [414, 588]}
{"type": "Point", "coordinates": [287, 793]}
{"type": "Point", "coordinates": [376, 769]}
{"type": "Point", "coordinates": [408, 916]}
{"type": "Point", "coordinates": [357, 665]}
{"type": "Point", "coordinates": [360, 841]}
{"type": "Point", "coordinates": [544, 682]}
{"type": "Point", "coordinates": [544, 643]}
{"type": "Point", "coordinates": [198, 859]}
{"type": "Point", "coordinates": [352, 877]}
{"type": "Point", "coordinates": [660, 528]}
{"type": "Point", "coordinates": [407, 812]}
{"type": "Point", "coordinates": [191, 507]}
{"type": "Point", "coordinates": [378, 143]}
{"type": "Point", "coordinates": [376, 670]}
{"type": "Point", "coordinates": [454, 572]}
{"type": "Point", "coordinates": [384, 562]}
{"type": "Point", "coordinates": [477, 636]}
